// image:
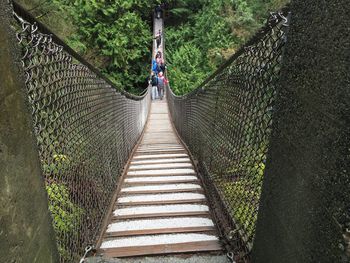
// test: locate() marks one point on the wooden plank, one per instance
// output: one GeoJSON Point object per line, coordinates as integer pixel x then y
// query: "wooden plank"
{"type": "Point", "coordinates": [164, 141]}
{"type": "Point", "coordinates": [160, 231]}
{"type": "Point", "coordinates": [162, 249]}
{"type": "Point", "coordinates": [162, 182]}
{"type": "Point", "coordinates": [155, 144]}
{"type": "Point", "coordinates": [181, 166]}
{"type": "Point", "coordinates": [155, 215]}
{"type": "Point", "coordinates": [173, 202]}
{"type": "Point", "coordinates": [159, 175]}
{"type": "Point", "coordinates": [152, 146]}
{"type": "Point", "coordinates": [163, 135]}
{"type": "Point", "coordinates": [160, 148]}
{"type": "Point", "coordinates": [160, 161]}
{"type": "Point", "coordinates": [159, 156]}
{"type": "Point", "coordinates": [158, 143]}
{"type": "Point", "coordinates": [157, 139]}
{"type": "Point", "coordinates": [151, 152]}
{"type": "Point", "coordinates": [197, 190]}
{"type": "Point", "coordinates": [159, 129]}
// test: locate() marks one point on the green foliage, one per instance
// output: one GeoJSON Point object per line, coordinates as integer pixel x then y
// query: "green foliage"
{"type": "Point", "coordinates": [213, 30]}
{"type": "Point", "coordinates": [244, 193]}
{"type": "Point", "coordinates": [66, 215]}
{"type": "Point", "coordinates": [59, 164]}
{"type": "Point", "coordinates": [210, 29]}
{"type": "Point", "coordinates": [115, 36]}
{"type": "Point", "coordinates": [187, 73]}
{"type": "Point", "coordinates": [120, 35]}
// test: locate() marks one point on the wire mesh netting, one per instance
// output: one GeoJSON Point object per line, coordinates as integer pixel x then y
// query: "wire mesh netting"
{"type": "Point", "coordinates": [226, 124]}
{"type": "Point", "coordinates": [85, 133]}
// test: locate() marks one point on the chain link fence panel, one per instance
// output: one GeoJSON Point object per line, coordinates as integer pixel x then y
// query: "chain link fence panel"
{"type": "Point", "coordinates": [85, 132]}
{"type": "Point", "coordinates": [226, 124]}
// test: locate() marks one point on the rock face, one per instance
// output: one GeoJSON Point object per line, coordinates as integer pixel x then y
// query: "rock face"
{"type": "Point", "coordinates": [26, 234]}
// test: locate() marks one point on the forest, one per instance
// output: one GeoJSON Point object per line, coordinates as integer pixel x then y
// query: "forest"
{"type": "Point", "coordinates": [116, 35]}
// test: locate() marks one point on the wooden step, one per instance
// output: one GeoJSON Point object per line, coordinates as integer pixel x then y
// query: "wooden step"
{"type": "Point", "coordinates": [158, 188]}
{"type": "Point", "coordinates": [164, 202]}
{"type": "Point", "coordinates": [162, 249]}
{"type": "Point", "coordinates": [161, 134]}
{"type": "Point", "coordinates": [157, 175]}
{"type": "Point", "coordinates": [152, 180]}
{"type": "Point", "coordinates": [156, 215]}
{"type": "Point", "coordinates": [160, 137]}
{"type": "Point", "coordinates": [160, 166]}
{"type": "Point", "coordinates": [140, 192]}
{"type": "Point", "coordinates": [160, 161]}
{"type": "Point", "coordinates": [150, 224]}
{"type": "Point", "coordinates": [159, 156]}
{"type": "Point", "coordinates": [153, 175]}
{"type": "Point", "coordinates": [165, 172]}
{"type": "Point", "coordinates": [160, 151]}
{"type": "Point", "coordinates": [162, 198]}
{"type": "Point", "coordinates": [160, 146]}
{"type": "Point", "coordinates": [159, 143]}
{"type": "Point", "coordinates": [162, 182]}
{"type": "Point", "coordinates": [161, 231]}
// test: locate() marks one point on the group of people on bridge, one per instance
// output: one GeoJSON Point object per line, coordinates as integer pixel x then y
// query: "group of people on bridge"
{"type": "Point", "coordinates": [158, 80]}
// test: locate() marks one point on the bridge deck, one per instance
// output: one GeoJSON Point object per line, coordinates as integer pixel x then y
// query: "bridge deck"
{"type": "Point", "coordinates": [161, 208]}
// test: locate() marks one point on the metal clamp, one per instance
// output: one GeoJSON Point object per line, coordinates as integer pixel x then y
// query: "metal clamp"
{"type": "Point", "coordinates": [87, 250]}
{"type": "Point", "coordinates": [231, 257]}
{"type": "Point", "coordinates": [232, 234]}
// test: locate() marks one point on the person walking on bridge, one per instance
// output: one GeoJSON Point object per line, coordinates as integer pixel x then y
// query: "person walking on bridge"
{"type": "Point", "coordinates": [155, 66]}
{"type": "Point", "coordinates": [158, 60]}
{"type": "Point", "coordinates": [162, 66]}
{"type": "Point", "coordinates": [158, 38]}
{"type": "Point", "coordinates": [158, 11]}
{"type": "Point", "coordinates": [154, 84]}
{"type": "Point", "coordinates": [161, 83]}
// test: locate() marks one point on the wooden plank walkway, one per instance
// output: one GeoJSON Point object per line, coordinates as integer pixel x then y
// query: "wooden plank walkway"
{"type": "Point", "coordinates": [161, 208]}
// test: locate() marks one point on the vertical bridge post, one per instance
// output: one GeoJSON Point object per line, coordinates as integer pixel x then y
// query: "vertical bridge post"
{"type": "Point", "coordinates": [26, 234]}
{"type": "Point", "coordinates": [304, 209]}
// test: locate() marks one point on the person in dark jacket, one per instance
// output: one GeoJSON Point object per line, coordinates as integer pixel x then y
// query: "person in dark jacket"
{"type": "Point", "coordinates": [158, 11]}
{"type": "Point", "coordinates": [158, 38]}
{"type": "Point", "coordinates": [154, 84]}
{"type": "Point", "coordinates": [162, 67]}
